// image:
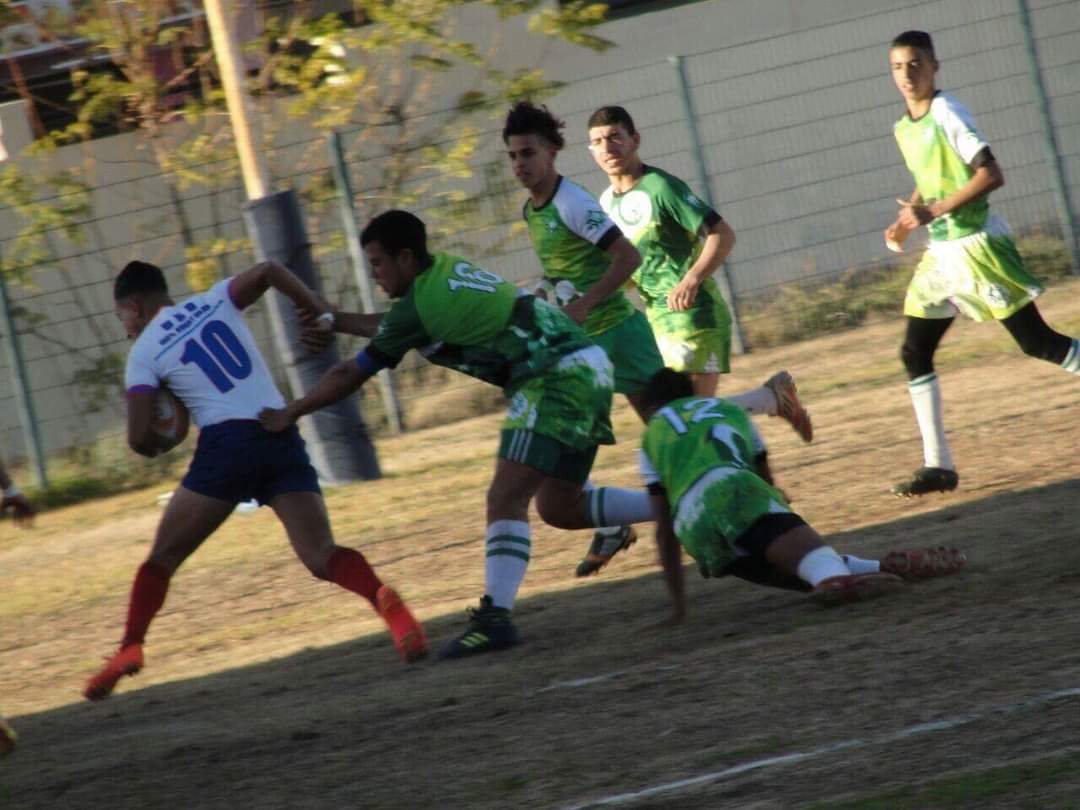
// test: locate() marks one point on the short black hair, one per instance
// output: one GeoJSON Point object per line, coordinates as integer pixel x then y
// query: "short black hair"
{"type": "Point", "coordinates": [915, 39]}
{"type": "Point", "coordinates": [525, 118]}
{"type": "Point", "coordinates": [396, 231]}
{"type": "Point", "coordinates": [612, 116]}
{"type": "Point", "coordinates": [666, 386]}
{"type": "Point", "coordinates": [139, 278]}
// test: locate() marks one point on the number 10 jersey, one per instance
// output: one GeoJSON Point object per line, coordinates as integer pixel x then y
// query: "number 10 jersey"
{"type": "Point", "coordinates": [203, 351]}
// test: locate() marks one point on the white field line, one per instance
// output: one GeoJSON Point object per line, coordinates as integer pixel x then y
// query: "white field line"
{"type": "Point", "coordinates": [786, 759]}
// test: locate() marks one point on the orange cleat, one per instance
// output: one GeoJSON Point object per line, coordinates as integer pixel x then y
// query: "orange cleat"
{"type": "Point", "coordinates": [788, 406]}
{"type": "Point", "coordinates": [843, 590]}
{"type": "Point", "coordinates": [126, 662]}
{"type": "Point", "coordinates": [408, 634]}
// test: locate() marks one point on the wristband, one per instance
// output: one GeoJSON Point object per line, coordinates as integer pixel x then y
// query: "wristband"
{"type": "Point", "coordinates": [12, 492]}
{"type": "Point", "coordinates": [326, 317]}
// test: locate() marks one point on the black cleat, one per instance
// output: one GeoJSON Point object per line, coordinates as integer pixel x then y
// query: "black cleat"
{"type": "Point", "coordinates": [925, 480]}
{"type": "Point", "coordinates": [490, 628]}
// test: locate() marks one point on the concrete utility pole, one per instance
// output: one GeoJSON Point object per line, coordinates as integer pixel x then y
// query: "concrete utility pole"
{"type": "Point", "coordinates": [338, 440]}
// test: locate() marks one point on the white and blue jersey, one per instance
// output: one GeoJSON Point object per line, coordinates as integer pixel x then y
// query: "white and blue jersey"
{"type": "Point", "coordinates": [204, 352]}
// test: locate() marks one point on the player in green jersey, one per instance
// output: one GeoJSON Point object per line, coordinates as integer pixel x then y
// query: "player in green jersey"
{"type": "Point", "coordinates": [971, 264]}
{"type": "Point", "coordinates": [586, 260]}
{"type": "Point", "coordinates": [711, 494]}
{"type": "Point", "coordinates": [557, 381]}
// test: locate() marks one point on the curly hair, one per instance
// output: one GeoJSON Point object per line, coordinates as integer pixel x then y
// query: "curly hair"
{"type": "Point", "coordinates": [525, 118]}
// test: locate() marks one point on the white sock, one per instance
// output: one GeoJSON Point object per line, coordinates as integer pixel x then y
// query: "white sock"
{"type": "Point", "coordinates": [507, 557]}
{"type": "Point", "coordinates": [821, 564]}
{"type": "Point", "coordinates": [759, 401]}
{"type": "Point", "coordinates": [1071, 363]}
{"type": "Point", "coordinates": [857, 565]}
{"type": "Point", "coordinates": [614, 506]}
{"type": "Point", "coordinates": [926, 397]}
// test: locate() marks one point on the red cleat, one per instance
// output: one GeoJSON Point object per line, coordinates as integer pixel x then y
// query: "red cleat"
{"type": "Point", "coordinates": [408, 634]}
{"type": "Point", "coordinates": [844, 590]}
{"type": "Point", "coordinates": [924, 563]}
{"type": "Point", "coordinates": [788, 406]}
{"type": "Point", "coordinates": [126, 662]}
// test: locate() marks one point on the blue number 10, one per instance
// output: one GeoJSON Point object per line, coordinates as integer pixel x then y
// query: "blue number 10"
{"type": "Point", "coordinates": [220, 355]}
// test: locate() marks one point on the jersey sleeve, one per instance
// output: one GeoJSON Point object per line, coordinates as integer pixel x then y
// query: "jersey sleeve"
{"type": "Point", "coordinates": [400, 330]}
{"type": "Point", "coordinates": [584, 216]}
{"type": "Point", "coordinates": [685, 207]}
{"type": "Point", "coordinates": [959, 127]}
{"type": "Point", "coordinates": [140, 376]}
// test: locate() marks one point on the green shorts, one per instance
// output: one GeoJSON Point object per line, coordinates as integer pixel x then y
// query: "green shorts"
{"type": "Point", "coordinates": [564, 412]}
{"type": "Point", "coordinates": [981, 276]}
{"type": "Point", "coordinates": [633, 352]}
{"type": "Point", "coordinates": [695, 350]}
{"type": "Point", "coordinates": [719, 508]}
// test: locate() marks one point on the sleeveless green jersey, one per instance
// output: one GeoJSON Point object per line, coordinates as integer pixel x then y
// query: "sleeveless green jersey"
{"type": "Point", "coordinates": [570, 234]}
{"type": "Point", "coordinates": [663, 218]}
{"type": "Point", "coordinates": [938, 150]}
{"type": "Point", "coordinates": [466, 318]}
{"type": "Point", "coordinates": [691, 437]}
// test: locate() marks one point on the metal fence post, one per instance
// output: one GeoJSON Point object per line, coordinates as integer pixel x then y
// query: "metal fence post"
{"type": "Point", "coordinates": [360, 273]}
{"type": "Point", "coordinates": [723, 277]}
{"type": "Point", "coordinates": [23, 394]}
{"type": "Point", "coordinates": [1050, 144]}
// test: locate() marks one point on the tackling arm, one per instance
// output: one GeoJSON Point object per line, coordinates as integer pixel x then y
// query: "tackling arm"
{"type": "Point", "coordinates": [336, 384]}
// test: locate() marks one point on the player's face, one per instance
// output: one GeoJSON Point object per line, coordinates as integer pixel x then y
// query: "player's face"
{"type": "Point", "coordinates": [913, 71]}
{"type": "Point", "coordinates": [129, 313]}
{"type": "Point", "coordinates": [532, 159]}
{"type": "Point", "coordinates": [613, 148]}
{"type": "Point", "coordinates": [393, 274]}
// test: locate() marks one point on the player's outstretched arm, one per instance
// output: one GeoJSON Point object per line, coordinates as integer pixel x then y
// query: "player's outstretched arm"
{"type": "Point", "coordinates": [316, 337]}
{"type": "Point", "coordinates": [624, 261]}
{"type": "Point", "coordinates": [719, 240]}
{"type": "Point", "coordinates": [670, 554]}
{"type": "Point", "coordinates": [336, 384]}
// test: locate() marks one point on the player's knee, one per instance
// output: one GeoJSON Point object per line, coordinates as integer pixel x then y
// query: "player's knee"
{"type": "Point", "coordinates": [1049, 346]}
{"type": "Point", "coordinates": [916, 362]}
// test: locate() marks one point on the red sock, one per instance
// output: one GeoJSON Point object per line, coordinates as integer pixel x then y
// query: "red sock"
{"type": "Point", "coordinates": [147, 596]}
{"type": "Point", "coordinates": [351, 571]}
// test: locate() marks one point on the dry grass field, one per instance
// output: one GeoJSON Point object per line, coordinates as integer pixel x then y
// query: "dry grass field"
{"type": "Point", "coordinates": [265, 688]}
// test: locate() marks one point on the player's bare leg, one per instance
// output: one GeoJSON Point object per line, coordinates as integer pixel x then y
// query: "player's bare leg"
{"type": "Point", "coordinates": [188, 520]}
{"type": "Point", "coordinates": [304, 516]}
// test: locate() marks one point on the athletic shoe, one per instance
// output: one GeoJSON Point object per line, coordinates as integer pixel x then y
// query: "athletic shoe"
{"type": "Point", "coordinates": [927, 479]}
{"type": "Point", "coordinates": [126, 662]}
{"type": "Point", "coordinates": [7, 737]}
{"type": "Point", "coordinates": [490, 628]}
{"type": "Point", "coordinates": [408, 634]}
{"type": "Point", "coordinates": [923, 563]}
{"type": "Point", "coordinates": [606, 543]}
{"type": "Point", "coordinates": [849, 588]}
{"type": "Point", "coordinates": [788, 406]}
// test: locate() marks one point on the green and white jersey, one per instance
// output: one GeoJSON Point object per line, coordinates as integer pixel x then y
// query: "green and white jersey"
{"type": "Point", "coordinates": [938, 150]}
{"type": "Point", "coordinates": [664, 218]}
{"type": "Point", "coordinates": [690, 438]}
{"type": "Point", "coordinates": [570, 234]}
{"type": "Point", "coordinates": [470, 319]}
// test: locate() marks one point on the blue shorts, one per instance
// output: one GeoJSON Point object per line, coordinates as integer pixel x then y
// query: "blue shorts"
{"type": "Point", "coordinates": [239, 460]}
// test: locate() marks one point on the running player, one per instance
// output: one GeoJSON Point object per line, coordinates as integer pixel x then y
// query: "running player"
{"type": "Point", "coordinates": [586, 260]}
{"type": "Point", "coordinates": [701, 462]}
{"type": "Point", "coordinates": [971, 264]}
{"type": "Point", "coordinates": [203, 351]}
{"type": "Point", "coordinates": [558, 383]}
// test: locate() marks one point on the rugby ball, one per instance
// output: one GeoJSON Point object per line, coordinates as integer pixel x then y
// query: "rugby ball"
{"type": "Point", "coordinates": [171, 418]}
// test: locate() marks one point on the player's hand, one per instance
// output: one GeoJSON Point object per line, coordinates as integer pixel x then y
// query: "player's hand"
{"type": "Point", "coordinates": [316, 333]}
{"type": "Point", "coordinates": [578, 310]}
{"type": "Point", "coordinates": [22, 512]}
{"type": "Point", "coordinates": [913, 215]}
{"type": "Point", "coordinates": [895, 236]}
{"type": "Point", "coordinates": [276, 419]}
{"type": "Point", "coordinates": [683, 296]}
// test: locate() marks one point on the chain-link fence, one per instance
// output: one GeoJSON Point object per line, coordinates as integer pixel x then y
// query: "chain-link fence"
{"type": "Point", "coordinates": [796, 149]}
